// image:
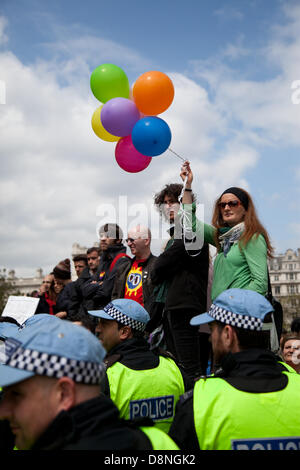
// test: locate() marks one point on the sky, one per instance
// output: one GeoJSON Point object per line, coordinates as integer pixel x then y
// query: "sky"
{"type": "Point", "coordinates": [235, 67]}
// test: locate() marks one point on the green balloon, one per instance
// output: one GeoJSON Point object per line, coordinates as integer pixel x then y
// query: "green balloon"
{"type": "Point", "coordinates": [109, 81]}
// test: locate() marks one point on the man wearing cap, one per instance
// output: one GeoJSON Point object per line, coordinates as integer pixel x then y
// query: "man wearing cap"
{"type": "Point", "coordinates": [51, 393]}
{"type": "Point", "coordinates": [142, 383]}
{"type": "Point", "coordinates": [249, 403]}
{"type": "Point", "coordinates": [8, 327]}
{"type": "Point", "coordinates": [98, 290]}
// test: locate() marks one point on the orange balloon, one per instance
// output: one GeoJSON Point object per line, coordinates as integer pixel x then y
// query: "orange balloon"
{"type": "Point", "coordinates": [153, 93]}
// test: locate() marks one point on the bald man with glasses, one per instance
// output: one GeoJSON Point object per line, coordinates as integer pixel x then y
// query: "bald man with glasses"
{"type": "Point", "coordinates": [133, 279]}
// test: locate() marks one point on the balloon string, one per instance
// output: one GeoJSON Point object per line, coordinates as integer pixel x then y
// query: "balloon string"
{"type": "Point", "coordinates": [183, 159]}
{"type": "Point", "coordinates": [185, 221]}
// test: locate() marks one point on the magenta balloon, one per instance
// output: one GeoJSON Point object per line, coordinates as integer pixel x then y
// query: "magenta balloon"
{"type": "Point", "coordinates": [119, 115]}
{"type": "Point", "coordinates": [128, 158]}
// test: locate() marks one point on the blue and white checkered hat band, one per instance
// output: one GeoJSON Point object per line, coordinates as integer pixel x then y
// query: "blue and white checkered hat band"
{"type": "Point", "coordinates": [51, 365]}
{"type": "Point", "coordinates": [117, 315]}
{"type": "Point", "coordinates": [235, 319]}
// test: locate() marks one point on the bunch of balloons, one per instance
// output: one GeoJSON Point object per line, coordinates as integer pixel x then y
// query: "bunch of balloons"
{"type": "Point", "coordinates": [129, 116]}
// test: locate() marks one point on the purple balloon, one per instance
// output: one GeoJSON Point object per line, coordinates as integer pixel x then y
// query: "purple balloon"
{"type": "Point", "coordinates": [128, 158]}
{"type": "Point", "coordinates": [119, 115]}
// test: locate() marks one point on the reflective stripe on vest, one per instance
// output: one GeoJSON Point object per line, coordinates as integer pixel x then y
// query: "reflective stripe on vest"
{"type": "Point", "coordinates": [227, 418]}
{"type": "Point", "coordinates": [151, 392]}
{"type": "Point", "coordinates": [159, 439]}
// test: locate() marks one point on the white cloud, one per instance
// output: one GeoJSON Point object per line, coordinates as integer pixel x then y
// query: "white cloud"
{"type": "Point", "coordinates": [264, 109]}
{"type": "Point", "coordinates": [234, 51]}
{"type": "Point", "coordinates": [55, 172]}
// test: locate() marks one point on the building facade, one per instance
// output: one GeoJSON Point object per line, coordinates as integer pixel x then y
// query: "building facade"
{"type": "Point", "coordinates": [25, 286]}
{"type": "Point", "coordinates": [284, 272]}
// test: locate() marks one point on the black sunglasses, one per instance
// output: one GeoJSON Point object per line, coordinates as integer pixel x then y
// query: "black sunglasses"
{"type": "Point", "coordinates": [222, 205]}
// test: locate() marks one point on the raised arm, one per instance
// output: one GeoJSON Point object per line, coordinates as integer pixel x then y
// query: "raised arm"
{"type": "Point", "coordinates": [198, 226]}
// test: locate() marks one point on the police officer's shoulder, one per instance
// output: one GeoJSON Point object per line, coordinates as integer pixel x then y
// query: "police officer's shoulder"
{"type": "Point", "coordinates": [188, 382]}
{"type": "Point", "coordinates": [168, 355]}
{"type": "Point", "coordinates": [164, 353]}
{"type": "Point", "coordinates": [190, 393]}
{"type": "Point", "coordinates": [286, 367]}
{"type": "Point", "coordinates": [111, 360]}
{"type": "Point", "coordinates": [186, 397]}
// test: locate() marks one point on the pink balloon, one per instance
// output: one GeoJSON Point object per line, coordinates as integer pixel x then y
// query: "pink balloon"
{"type": "Point", "coordinates": [128, 158]}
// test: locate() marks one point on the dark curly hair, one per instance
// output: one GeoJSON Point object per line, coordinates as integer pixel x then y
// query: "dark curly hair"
{"type": "Point", "coordinates": [172, 190]}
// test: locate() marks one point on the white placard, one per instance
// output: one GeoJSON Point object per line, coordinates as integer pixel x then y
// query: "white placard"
{"type": "Point", "coordinates": [20, 308]}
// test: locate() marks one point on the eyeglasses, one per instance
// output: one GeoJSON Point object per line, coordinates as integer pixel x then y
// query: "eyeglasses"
{"type": "Point", "coordinates": [130, 240]}
{"type": "Point", "coordinates": [230, 204]}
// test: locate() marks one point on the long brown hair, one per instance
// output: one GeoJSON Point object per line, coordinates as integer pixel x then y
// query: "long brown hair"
{"type": "Point", "coordinates": [252, 225]}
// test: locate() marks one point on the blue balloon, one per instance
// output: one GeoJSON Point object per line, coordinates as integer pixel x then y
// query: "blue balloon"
{"type": "Point", "coordinates": [151, 136]}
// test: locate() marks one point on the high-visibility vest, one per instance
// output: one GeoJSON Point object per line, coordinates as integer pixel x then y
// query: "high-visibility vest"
{"type": "Point", "coordinates": [228, 418]}
{"type": "Point", "coordinates": [149, 393]}
{"type": "Point", "coordinates": [288, 367]}
{"type": "Point", "coordinates": [159, 439]}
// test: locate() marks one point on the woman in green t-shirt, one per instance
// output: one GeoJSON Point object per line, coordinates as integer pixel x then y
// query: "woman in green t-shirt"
{"type": "Point", "coordinates": [242, 243]}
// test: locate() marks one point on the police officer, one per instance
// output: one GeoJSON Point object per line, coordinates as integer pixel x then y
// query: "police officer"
{"type": "Point", "coordinates": [140, 382]}
{"type": "Point", "coordinates": [8, 326]}
{"type": "Point", "coordinates": [52, 396]}
{"type": "Point", "coordinates": [251, 401]}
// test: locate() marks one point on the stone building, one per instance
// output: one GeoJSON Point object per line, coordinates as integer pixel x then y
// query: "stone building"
{"type": "Point", "coordinates": [25, 285]}
{"type": "Point", "coordinates": [284, 272]}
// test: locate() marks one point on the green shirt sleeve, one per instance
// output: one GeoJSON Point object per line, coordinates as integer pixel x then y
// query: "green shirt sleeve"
{"type": "Point", "coordinates": [255, 253]}
{"type": "Point", "coordinates": [199, 228]}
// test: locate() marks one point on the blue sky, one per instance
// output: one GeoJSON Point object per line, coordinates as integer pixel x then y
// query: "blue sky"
{"type": "Point", "coordinates": [232, 64]}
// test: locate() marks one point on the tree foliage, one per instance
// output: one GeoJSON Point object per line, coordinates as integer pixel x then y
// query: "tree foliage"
{"type": "Point", "coordinates": [6, 289]}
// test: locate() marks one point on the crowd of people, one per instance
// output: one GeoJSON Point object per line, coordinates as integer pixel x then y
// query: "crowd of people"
{"type": "Point", "coordinates": [166, 352]}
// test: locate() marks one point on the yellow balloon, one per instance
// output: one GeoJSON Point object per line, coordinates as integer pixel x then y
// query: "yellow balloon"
{"type": "Point", "coordinates": [99, 129]}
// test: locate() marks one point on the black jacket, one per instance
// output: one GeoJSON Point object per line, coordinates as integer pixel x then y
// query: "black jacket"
{"type": "Point", "coordinates": [121, 276]}
{"type": "Point", "coordinates": [78, 304]}
{"type": "Point", "coordinates": [135, 354]}
{"type": "Point", "coordinates": [63, 300]}
{"type": "Point", "coordinates": [254, 371]}
{"type": "Point", "coordinates": [185, 277]}
{"type": "Point", "coordinates": [7, 438]}
{"type": "Point", "coordinates": [43, 306]}
{"type": "Point", "coordinates": [98, 294]}
{"type": "Point", "coordinates": [92, 425]}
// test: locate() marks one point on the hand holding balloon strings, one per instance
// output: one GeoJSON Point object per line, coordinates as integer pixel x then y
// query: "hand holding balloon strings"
{"type": "Point", "coordinates": [186, 217]}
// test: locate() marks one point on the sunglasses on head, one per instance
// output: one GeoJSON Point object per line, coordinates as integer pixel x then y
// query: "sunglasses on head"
{"type": "Point", "coordinates": [230, 204]}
